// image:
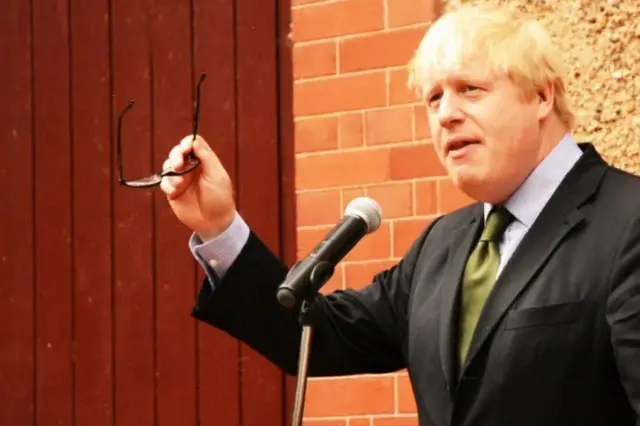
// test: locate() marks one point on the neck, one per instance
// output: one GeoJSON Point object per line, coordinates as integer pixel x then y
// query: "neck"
{"type": "Point", "coordinates": [552, 131]}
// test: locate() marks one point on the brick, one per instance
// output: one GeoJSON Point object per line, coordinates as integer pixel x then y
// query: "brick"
{"type": "Point", "coordinates": [295, 3]}
{"type": "Point", "coordinates": [403, 12]}
{"type": "Point", "coordinates": [349, 396]}
{"type": "Point", "coordinates": [359, 422]}
{"type": "Point", "coordinates": [308, 238]}
{"type": "Point", "coordinates": [405, 232]}
{"type": "Point", "coordinates": [396, 421]}
{"type": "Point", "coordinates": [337, 18]}
{"type": "Point", "coordinates": [342, 169]}
{"type": "Point", "coordinates": [350, 130]}
{"type": "Point", "coordinates": [318, 208]}
{"type": "Point", "coordinates": [316, 134]}
{"type": "Point", "coordinates": [406, 399]}
{"type": "Point", "coordinates": [395, 199]}
{"type": "Point", "coordinates": [372, 246]}
{"type": "Point", "coordinates": [415, 161]}
{"type": "Point", "coordinates": [421, 122]}
{"type": "Point", "coordinates": [392, 48]}
{"type": "Point", "coordinates": [339, 94]}
{"type": "Point", "coordinates": [450, 197]}
{"type": "Point", "coordinates": [358, 275]}
{"type": "Point", "coordinates": [322, 422]}
{"type": "Point", "coordinates": [399, 92]}
{"type": "Point", "coordinates": [388, 125]}
{"type": "Point", "coordinates": [313, 60]}
{"type": "Point", "coordinates": [426, 201]}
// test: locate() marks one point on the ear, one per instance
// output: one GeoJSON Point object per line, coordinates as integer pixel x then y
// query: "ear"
{"type": "Point", "coordinates": [545, 97]}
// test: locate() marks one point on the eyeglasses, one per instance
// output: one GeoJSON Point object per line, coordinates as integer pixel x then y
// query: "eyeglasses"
{"type": "Point", "coordinates": [191, 161]}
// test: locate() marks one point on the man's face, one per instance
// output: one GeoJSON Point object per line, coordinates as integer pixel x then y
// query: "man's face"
{"type": "Point", "coordinates": [484, 131]}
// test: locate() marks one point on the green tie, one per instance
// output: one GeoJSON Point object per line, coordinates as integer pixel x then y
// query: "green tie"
{"type": "Point", "coordinates": [480, 275]}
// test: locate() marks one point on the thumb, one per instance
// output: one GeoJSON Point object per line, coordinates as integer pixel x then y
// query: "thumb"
{"type": "Point", "coordinates": [210, 161]}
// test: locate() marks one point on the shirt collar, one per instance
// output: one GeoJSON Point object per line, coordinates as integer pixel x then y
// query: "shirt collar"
{"type": "Point", "coordinates": [530, 198]}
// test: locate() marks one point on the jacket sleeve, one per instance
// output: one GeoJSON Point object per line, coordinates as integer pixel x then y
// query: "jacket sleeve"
{"type": "Point", "coordinates": [354, 332]}
{"type": "Point", "coordinates": [623, 313]}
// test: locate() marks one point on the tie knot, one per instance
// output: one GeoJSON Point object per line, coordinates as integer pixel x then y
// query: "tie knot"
{"type": "Point", "coordinates": [497, 222]}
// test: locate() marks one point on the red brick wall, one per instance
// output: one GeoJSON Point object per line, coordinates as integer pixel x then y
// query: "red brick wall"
{"type": "Point", "coordinates": [359, 130]}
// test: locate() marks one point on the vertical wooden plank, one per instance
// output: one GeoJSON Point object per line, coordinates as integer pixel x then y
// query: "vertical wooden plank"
{"type": "Point", "coordinates": [261, 381]}
{"type": "Point", "coordinates": [286, 132]}
{"type": "Point", "coordinates": [92, 181]}
{"type": "Point", "coordinates": [16, 217]}
{"type": "Point", "coordinates": [214, 47]}
{"type": "Point", "coordinates": [54, 315]}
{"type": "Point", "coordinates": [287, 162]}
{"type": "Point", "coordinates": [134, 322]}
{"type": "Point", "coordinates": [174, 265]}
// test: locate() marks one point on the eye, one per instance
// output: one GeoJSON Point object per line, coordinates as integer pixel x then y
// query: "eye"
{"type": "Point", "coordinates": [434, 99]}
{"type": "Point", "coordinates": [470, 88]}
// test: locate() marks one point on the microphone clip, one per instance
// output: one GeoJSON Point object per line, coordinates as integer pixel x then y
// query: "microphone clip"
{"type": "Point", "coordinates": [317, 274]}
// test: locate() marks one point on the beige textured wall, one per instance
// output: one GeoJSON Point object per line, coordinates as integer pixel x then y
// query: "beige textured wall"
{"type": "Point", "coordinates": [601, 43]}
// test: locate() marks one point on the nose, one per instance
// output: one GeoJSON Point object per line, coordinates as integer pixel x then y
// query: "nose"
{"type": "Point", "coordinates": [449, 112]}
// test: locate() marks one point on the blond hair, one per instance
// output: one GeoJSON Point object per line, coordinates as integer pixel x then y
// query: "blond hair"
{"type": "Point", "coordinates": [513, 44]}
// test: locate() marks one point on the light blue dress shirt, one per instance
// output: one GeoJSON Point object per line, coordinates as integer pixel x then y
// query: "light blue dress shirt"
{"type": "Point", "coordinates": [535, 192]}
{"type": "Point", "coordinates": [217, 255]}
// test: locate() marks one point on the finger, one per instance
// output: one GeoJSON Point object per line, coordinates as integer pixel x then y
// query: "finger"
{"type": "Point", "coordinates": [210, 161]}
{"type": "Point", "coordinates": [178, 182]}
{"type": "Point", "coordinates": [175, 186]}
{"type": "Point", "coordinates": [172, 185]}
{"type": "Point", "coordinates": [185, 146]}
{"type": "Point", "coordinates": [176, 157]}
{"type": "Point", "coordinates": [167, 188]}
{"type": "Point", "coordinates": [165, 184]}
{"type": "Point", "coordinates": [187, 143]}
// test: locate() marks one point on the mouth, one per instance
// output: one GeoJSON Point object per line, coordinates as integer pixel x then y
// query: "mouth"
{"type": "Point", "coordinates": [459, 143]}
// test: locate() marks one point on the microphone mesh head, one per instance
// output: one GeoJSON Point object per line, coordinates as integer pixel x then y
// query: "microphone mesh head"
{"type": "Point", "coordinates": [367, 209]}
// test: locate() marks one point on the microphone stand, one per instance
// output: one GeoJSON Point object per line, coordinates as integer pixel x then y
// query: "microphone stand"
{"type": "Point", "coordinates": [307, 317]}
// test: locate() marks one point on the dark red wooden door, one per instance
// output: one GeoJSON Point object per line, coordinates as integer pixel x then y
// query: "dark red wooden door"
{"type": "Point", "coordinates": [96, 281]}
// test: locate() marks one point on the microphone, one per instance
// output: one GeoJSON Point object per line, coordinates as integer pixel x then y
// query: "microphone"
{"type": "Point", "coordinates": [361, 217]}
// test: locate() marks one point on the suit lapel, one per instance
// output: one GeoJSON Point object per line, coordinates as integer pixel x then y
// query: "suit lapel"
{"type": "Point", "coordinates": [557, 219]}
{"type": "Point", "coordinates": [462, 242]}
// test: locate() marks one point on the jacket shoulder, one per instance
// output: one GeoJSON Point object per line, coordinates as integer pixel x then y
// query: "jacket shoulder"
{"type": "Point", "coordinates": [460, 217]}
{"type": "Point", "coordinates": [621, 189]}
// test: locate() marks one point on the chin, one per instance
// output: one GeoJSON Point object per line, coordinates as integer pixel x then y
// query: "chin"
{"type": "Point", "coordinates": [467, 184]}
{"type": "Point", "coordinates": [475, 185]}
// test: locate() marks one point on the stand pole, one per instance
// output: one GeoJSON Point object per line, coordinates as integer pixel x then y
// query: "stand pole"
{"type": "Point", "coordinates": [320, 274]}
{"type": "Point", "coordinates": [301, 381]}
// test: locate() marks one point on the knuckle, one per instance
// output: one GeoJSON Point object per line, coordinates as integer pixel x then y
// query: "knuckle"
{"type": "Point", "coordinates": [175, 181]}
{"type": "Point", "coordinates": [175, 151]}
{"type": "Point", "coordinates": [185, 143]}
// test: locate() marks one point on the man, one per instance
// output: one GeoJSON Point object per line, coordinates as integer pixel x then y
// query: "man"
{"type": "Point", "coordinates": [521, 309]}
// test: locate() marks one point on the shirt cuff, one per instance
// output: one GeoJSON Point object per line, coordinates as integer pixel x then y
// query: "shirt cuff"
{"type": "Point", "coordinates": [218, 254]}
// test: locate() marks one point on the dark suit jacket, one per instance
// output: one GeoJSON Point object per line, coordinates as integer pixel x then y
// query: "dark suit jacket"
{"type": "Point", "coordinates": [558, 342]}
